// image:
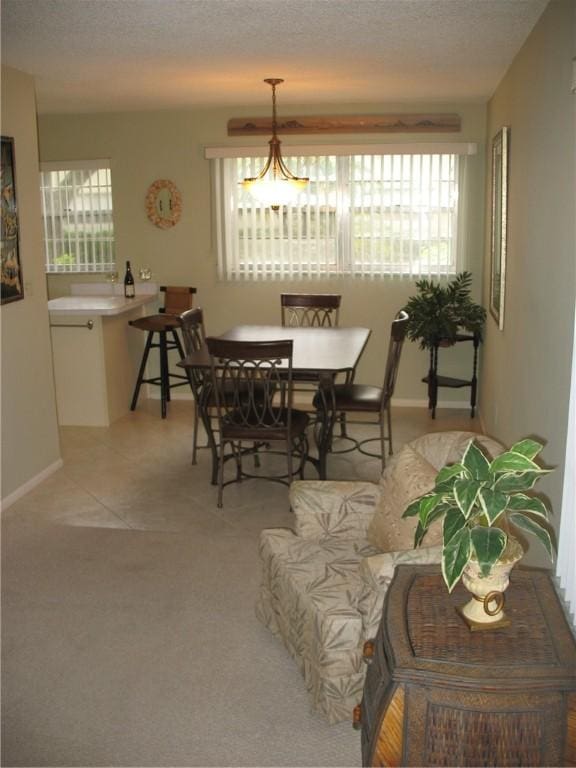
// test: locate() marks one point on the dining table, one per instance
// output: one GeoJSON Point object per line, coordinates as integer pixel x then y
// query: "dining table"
{"type": "Point", "coordinates": [321, 352]}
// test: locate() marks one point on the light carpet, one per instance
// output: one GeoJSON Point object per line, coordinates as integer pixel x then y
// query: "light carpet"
{"type": "Point", "coordinates": [129, 635]}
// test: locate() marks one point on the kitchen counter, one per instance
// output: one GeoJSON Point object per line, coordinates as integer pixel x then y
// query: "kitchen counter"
{"type": "Point", "coordinates": [97, 305]}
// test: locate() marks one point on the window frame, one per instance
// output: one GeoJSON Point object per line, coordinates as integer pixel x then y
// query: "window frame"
{"type": "Point", "coordinates": [228, 268]}
{"type": "Point", "coordinates": [107, 242]}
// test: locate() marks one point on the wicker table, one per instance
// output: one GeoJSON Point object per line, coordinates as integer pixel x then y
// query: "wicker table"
{"type": "Point", "coordinates": [438, 694]}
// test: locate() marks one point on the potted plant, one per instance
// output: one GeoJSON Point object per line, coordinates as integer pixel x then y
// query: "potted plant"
{"type": "Point", "coordinates": [438, 312]}
{"type": "Point", "coordinates": [481, 503]}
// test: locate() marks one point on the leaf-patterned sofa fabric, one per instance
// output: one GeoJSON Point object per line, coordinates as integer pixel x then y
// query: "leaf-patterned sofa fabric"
{"type": "Point", "coordinates": [323, 584]}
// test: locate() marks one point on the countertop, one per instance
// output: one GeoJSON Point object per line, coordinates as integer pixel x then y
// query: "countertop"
{"type": "Point", "coordinates": [97, 305]}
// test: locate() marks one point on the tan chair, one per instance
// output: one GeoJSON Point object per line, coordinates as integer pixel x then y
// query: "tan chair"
{"type": "Point", "coordinates": [324, 580]}
{"type": "Point", "coordinates": [176, 300]}
{"type": "Point", "coordinates": [366, 399]}
{"type": "Point", "coordinates": [312, 310]}
{"type": "Point", "coordinates": [252, 385]}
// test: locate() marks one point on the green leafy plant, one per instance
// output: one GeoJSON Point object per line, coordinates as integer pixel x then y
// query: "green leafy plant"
{"type": "Point", "coordinates": [481, 501]}
{"type": "Point", "coordinates": [438, 312]}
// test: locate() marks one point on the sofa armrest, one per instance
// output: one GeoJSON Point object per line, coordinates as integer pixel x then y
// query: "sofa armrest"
{"type": "Point", "coordinates": [333, 509]}
{"type": "Point", "coordinates": [377, 570]}
{"type": "Point", "coordinates": [376, 573]}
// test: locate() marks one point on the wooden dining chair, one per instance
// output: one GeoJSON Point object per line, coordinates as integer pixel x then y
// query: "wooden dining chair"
{"type": "Point", "coordinates": [310, 310]}
{"type": "Point", "coordinates": [252, 384]}
{"type": "Point", "coordinates": [366, 399]}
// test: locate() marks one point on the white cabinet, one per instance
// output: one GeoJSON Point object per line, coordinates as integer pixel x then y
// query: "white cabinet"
{"type": "Point", "coordinates": [95, 368]}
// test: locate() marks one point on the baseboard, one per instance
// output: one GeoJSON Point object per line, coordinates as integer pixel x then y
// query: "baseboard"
{"type": "Point", "coordinates": [29, 485]}
{"type": "Point", "coordinates": [409, 403]}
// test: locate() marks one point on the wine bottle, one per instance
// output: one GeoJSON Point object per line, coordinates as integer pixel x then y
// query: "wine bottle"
{"type": "Point", "coordinates": [129, 290]}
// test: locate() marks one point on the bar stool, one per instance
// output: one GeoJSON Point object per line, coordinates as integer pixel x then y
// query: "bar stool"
{"type": "Point", "coordinates": [177, 300]}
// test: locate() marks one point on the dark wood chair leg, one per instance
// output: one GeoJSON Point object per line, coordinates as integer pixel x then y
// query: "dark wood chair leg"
{"type": "Point", "coordinates": [164, 380]}
{"type": "Point", "coordinates": [141, 371]}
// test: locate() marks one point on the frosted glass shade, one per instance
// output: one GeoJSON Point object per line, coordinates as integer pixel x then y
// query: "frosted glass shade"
{"type": "Point", "coordinates": [274, 191]}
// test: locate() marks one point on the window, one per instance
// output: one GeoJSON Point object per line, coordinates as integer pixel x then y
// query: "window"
{"type": "Point", "coordinates": [362, 215]}
{"type": "Point", "coordinates": [77, 217]}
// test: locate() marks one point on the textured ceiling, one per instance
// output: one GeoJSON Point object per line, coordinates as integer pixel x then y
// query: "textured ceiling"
{"type": "Point", "coordinates": [102, 55]}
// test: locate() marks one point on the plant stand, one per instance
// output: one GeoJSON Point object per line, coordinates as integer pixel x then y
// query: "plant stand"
{"type": "Point", "coordinates": [435, 381]}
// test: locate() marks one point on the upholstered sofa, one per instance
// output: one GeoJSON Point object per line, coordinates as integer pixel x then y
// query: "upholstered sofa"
{"type": "Point", "coordinates": [323, 583]}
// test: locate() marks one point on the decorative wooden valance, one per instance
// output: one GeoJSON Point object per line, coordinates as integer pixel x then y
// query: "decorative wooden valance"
{"type": "Point", "coordinates": [397, 123]}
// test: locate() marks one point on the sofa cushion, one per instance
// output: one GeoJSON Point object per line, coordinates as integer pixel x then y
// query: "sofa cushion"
{"type": "Point", "coordinates": [407, 477]}
{"type": "Point", "coordinates": [442, 448]}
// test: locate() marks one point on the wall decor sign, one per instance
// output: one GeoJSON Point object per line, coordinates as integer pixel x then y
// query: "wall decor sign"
{"type": "Point", "coordinates": [163, 204]}
{"type": "Point", "coordinates": [11, 282]}
{"type": "Point", "coordinates": [500, 163]}
{"type": "Point", "coordinates": [397, 123]}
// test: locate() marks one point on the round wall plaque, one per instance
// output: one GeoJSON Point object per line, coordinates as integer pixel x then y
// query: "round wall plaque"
{"type": "Point", "coordinates": [163, 204]}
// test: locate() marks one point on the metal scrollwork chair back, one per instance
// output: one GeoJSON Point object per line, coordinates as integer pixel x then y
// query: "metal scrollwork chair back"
{"type": "Point", "coordinates": [310, 310]}
{"type": "Point", "coordinates": [252, 384]}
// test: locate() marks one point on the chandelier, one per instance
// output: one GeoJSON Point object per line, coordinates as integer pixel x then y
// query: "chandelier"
{"type": "Point", "coordinates": [275, 185]}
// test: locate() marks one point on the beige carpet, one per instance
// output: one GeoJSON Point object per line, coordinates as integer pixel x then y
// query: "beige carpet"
{"type": "Point", "coordinates": [129, 636]}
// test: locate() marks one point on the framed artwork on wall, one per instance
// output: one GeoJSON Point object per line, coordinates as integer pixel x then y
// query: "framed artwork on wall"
{"type": "Point", "coordinates": [500, 162]}
{"type": "Point", "coordinates": [11, 282]}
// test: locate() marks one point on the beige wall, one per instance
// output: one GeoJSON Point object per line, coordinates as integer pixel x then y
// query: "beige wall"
{"type": "Point", "coordinates": [170, 145]}
{"type": "Point", "coordinates": [30, 444]}
{"type": "Point", "coordinates": [526, 372]}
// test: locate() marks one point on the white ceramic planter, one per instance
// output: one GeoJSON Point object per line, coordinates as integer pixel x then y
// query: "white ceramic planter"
{"type": "Point", "coordinates": [486, 608]}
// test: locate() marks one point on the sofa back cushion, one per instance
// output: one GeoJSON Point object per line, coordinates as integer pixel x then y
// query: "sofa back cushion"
{"type": "Point", "coordinates": [410, 474]}
{"type": "Point", "coordinates": [407, 476]}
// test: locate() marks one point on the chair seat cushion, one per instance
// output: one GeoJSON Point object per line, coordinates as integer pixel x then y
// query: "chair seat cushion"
{"type": "Point", "coordinates": [274, 429]}
{"type": "Point", "coordinates": [355, 397]}
{"type": "Point", "coordinates": [156, 323]}
{"type": "Point", "coordinates": [309, 598]}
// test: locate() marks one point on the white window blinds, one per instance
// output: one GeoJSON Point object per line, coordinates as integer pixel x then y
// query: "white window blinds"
{"type": "Point", "coordinates": [77, 216]}
{"type": "Point", "coordinates": [363, 215]}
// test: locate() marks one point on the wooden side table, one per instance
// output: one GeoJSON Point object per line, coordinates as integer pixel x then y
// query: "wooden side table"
{"type": "Point", "coordinates": [435, 381]}
{"type": "Point", "coordinates": [438, 694]}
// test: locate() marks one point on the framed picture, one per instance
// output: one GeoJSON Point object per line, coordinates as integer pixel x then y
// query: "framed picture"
{"type": "Point", "coordinates": [11, 283]}
{"type": "Point", "coordinates": [500, 160]}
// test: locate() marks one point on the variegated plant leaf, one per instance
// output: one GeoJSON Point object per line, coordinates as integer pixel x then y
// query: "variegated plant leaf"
{"type": "Point", "coordinates": [455, 555]}
{"type": "Point", "coordinates": [527, 447]}
{"type": "Point", "coordinates": [414, 507]}
{"type": "Point", "coordinates": [488, 544]}
{"type": "Point", "coordinates": [522, 502]}
{"type": "Point", "coordinates": [447, 476]}
{"type": "Point", "coordinates": [453, 522]}
{"type": "Point", "coordinates": [427, 507]}
{"type": "Point", "coordinates": [513, 462]}
{"type": "Point", "coordinates": [476, 462]}
{"type": "Point", "coordinates": [511, 483]}
{"type": "Point", "coordinates": [493, 503]}
{"type": "Point", "coordinates": [533, 526]}
{"type": "Point", "coordinates": [465, 494]}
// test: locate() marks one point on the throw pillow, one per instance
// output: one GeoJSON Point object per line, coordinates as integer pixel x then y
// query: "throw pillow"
{"type": "Point", "coordinates": [407, 476]}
